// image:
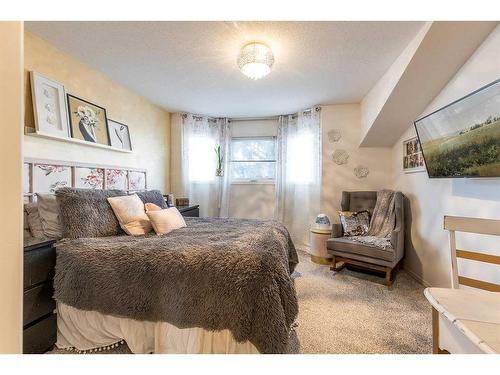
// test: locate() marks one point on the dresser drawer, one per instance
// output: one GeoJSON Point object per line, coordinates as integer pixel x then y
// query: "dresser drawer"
{"type": "Point", "coordinates": [39, 265]}
{"type": "Point", "coordinates": [38, 302]}
{"type": "Point", "coordinates": [41, 336]}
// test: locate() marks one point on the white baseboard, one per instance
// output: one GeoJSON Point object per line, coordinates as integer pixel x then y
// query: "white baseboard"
{"type": "Point", "coordinates": [417, 277]}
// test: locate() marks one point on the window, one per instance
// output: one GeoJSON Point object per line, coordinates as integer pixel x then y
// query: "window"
{"type": "Point", "coordinates": [253, 159]}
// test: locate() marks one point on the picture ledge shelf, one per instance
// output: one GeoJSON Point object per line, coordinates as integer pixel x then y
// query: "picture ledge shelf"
{"type": "Point", "coordinates": [33, 133]}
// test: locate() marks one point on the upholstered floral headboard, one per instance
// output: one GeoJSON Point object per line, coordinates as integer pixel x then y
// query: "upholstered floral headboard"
{"type": "Point", "coordinates": [46, 176]}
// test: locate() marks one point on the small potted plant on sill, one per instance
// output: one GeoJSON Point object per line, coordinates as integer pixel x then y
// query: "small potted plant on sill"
{"type": "Point", "coordinates": [218, 171]}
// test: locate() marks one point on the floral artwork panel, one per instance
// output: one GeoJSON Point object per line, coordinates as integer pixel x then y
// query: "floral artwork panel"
{"type": "Point", "coordinates": [89, 178]}
{"type": "Point", "coordinates": [88, 121]}
{"type": "Point", "coordinates": [116, 179]}
{"type": "Point", "coordinates": [137, 180]}
{"type": "Point", "coordinates": [47, 178]}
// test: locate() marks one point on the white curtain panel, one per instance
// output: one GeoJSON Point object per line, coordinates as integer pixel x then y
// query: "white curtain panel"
{"type": "Point", "coordinates": [200, 136]}
{"type": "Point", "coordinates": [298, 177]}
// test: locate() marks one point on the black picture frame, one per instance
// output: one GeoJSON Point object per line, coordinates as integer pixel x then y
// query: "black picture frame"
{"type": "Point", "coordinates": [128, 133]}
{"type": "Point", "coordinates": [497, 81]}
{"type": "Point", "coordinates": [68, 97]}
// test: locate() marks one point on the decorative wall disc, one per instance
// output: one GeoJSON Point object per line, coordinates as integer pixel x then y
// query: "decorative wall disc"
{"type": "Point", "coordinates": [340, 157]}
{"type": "Point", "coordinates": [334, 135]}
{"type": "Point", "coordinates": [361, 172]}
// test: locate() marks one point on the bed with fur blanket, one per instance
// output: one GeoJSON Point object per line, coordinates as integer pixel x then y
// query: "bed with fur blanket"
{"type": "Point", "coordinates": [216, 274]}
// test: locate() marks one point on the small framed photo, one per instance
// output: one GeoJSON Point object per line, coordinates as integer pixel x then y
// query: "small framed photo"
{"type": "Point", "coordinates": [119, 135]}
{"type": "Point", "coordinates": [49, 106]}
{"type": "Point", "coordinates": [88, 121]}
{"type": "Point", "coordinates": [413, 160]}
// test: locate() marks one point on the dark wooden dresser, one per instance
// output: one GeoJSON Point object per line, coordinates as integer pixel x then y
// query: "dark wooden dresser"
{"type": "Point", "coordinates": [189, 211]}
{"type": "Point", "coordinates": [39, 320]}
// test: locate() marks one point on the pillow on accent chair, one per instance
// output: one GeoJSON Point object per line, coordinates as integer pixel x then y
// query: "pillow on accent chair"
{"type": "Point", "coordinates": [152, 196]}
{"type": "Point", "coordinates": [87, 213]}
{"type": "Point", "coordinates": [354, 223]}
{"type": "Point", "coordinates": [166, 220]}
{"type": "Point", "coordinates": [129, 211]}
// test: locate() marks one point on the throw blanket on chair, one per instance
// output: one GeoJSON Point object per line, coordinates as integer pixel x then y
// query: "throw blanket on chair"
{"type": "Point", "coordinates": [215, 274]}
{"type": "Point", "coordinates": [382, 222]}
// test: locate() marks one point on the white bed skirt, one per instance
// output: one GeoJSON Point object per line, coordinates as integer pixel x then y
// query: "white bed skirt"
{"type": "Point", "coordinates": [86, 330]}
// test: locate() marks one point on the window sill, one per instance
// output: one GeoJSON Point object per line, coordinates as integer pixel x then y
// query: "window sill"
{"type": "Point", "coordinates": [253, 182]}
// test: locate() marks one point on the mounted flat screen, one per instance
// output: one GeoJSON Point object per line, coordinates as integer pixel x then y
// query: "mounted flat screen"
{"type": "Point", "coordinates": [462, 139]}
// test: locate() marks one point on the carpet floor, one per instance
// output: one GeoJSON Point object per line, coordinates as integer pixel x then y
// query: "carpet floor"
{"type": "Point", "coordinates": [353, 312]}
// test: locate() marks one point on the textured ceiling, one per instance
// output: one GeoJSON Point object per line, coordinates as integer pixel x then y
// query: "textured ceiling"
{"type": "Point", "coordinates": [191, 66]}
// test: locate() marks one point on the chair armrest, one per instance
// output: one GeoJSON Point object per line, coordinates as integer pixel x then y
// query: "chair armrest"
{"type": "Point", "coordinates": [337, 230]}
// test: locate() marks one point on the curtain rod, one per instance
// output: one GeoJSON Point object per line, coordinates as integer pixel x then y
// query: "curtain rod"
{"type": "Point", "coordinates": [237, 119]}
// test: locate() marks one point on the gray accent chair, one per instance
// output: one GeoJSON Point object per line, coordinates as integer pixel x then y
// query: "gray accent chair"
{"type": "Point", "coordinates": [346, 252]}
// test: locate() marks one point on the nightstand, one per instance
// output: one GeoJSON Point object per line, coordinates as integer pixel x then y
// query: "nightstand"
{"type": "Point", "coordinates": [39, 320]}
{"type": "Point", "coordinates": [189, 211]}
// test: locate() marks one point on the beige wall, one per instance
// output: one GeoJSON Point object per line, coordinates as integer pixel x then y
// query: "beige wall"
{"type": "Point", "coordinates": [11, 251]}
{"type": "Point", "coordinates": [149, 125]}
{"type": "Point", "coordinates": [428, 254]}
{"type": "Point", "coordinates": [346, 118]}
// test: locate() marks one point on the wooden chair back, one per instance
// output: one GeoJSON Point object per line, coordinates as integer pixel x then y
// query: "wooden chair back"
{"type": "Point", "coordinates": [471, 225]}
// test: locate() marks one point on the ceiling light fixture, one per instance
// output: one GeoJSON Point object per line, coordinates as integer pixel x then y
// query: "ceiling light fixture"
{"type": "Point", "coordinates": [255, 60]}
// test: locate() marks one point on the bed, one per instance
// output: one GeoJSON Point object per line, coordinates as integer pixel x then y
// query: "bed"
{"type": "Point", "coordinates": [215, 286]}
{"type": "Point", "coordinates": [209, 283]}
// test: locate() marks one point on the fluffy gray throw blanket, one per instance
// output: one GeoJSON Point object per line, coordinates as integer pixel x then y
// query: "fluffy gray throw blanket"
{"type": "Point", "coordinates": [215, 274]}
{"type": "Point", "coordinates": [382, 222]}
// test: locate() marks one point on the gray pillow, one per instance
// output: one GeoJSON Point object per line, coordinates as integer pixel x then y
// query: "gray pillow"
{"type": "Point", "coordinates": [87, 213]}
{"type": "Point", "coordinates": [152, 196]}
{"type": "Point", "coordinates": [34, 222]}
{"type": "Point", "coordinates": [48, 208]}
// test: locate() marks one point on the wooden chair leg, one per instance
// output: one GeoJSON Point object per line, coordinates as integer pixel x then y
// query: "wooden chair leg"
{"type": "Point", "coordinates": [333, 267]}
{"type": "Point", "coordinates": [388, 280]}
{"type": "Point", "coordinates": [435, 331]}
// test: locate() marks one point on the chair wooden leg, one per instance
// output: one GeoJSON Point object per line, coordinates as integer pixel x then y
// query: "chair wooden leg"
{"type": "Point", "coordinates": [388, 280]}
{"type": "Point", "coordinates": [334, 267]}
{"type": "Point", "coordinates": [435, 331]}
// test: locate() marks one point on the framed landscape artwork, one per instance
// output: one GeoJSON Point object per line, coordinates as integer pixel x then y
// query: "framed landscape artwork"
{"type": "Point", "coordinates": [49, 106]}
{"type": "Point", "coordinates": [413, 160]}
{"type": "Point", "coordinates": [88, 121]}
{"type": "Point", "coordinates": [462, 139]}
{"type": "Point", "coordinates": [119, 135]}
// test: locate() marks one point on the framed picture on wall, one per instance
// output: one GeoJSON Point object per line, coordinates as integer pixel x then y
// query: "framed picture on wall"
{"type": "Point", "coordinates": [49, 106]}
{"type": "Point", "coordinates": [88, 121]}
{"type": "Point", "coordinates": [119, 135]}
{"type": "Point", "coordinates": [413, 160]}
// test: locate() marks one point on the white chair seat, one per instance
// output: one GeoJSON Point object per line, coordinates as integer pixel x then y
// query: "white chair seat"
{"type": "Point", "coordinates": [474, 313]}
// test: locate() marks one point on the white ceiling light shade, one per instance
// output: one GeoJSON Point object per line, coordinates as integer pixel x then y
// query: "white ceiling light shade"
{"type": "Point", "coordinates": [255, 60]}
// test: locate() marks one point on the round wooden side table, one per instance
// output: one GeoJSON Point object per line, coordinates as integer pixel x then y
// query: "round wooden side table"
{"type": "Point", "coordinates": [318, 251]}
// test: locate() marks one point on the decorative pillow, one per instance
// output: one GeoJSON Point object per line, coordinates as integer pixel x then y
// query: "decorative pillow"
{"type": "Point", "coordinates": [129, 211]}
{"type": "Point", "coordinates": [355, 223]}
{"type": "Point", "coordinates": [166, 220]}
{"type": "Point", "coordinates": [34, 222]}
{"type": "Point", "coordinates": [151, 207]}
{"type": "Point", "coordinates": [87, 213]}
{"type": "Point", "coordinates": [48, 208]}
{"type": "Point", "coordinates": [152, 196]}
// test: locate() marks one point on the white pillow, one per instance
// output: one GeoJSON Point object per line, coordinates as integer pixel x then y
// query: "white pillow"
{"type": "Point", "coordinates": [48, 208]}
{"type": "Point", "coordinates": [166, 220]}
{"type": "Point", "coordinates": [129, 210]}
